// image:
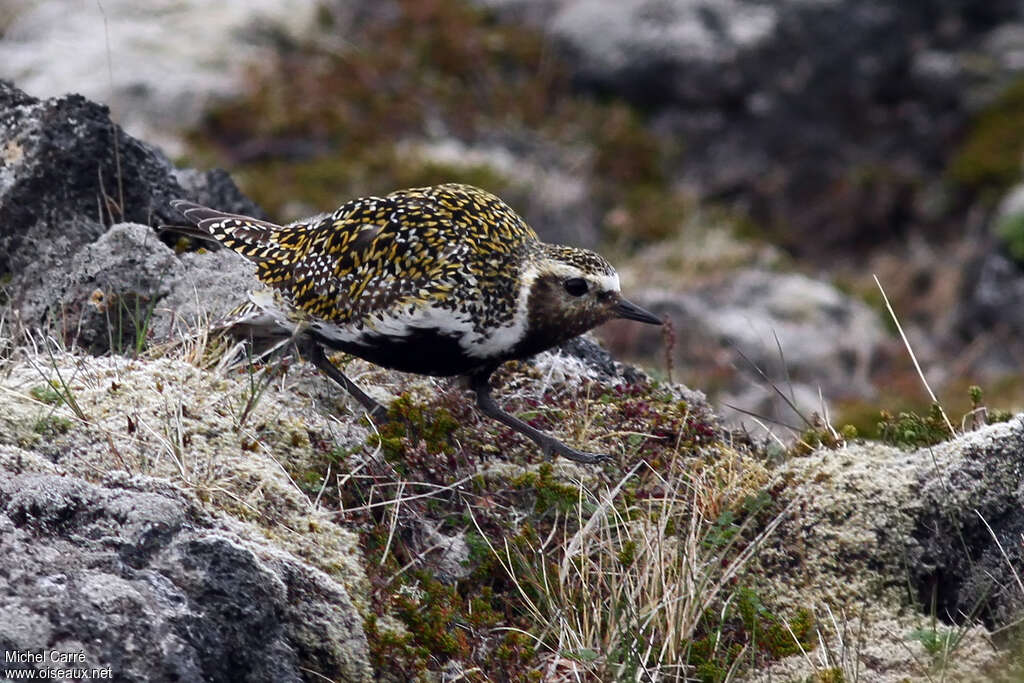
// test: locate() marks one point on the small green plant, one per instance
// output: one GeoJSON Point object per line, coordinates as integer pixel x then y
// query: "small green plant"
{"type": "Point", "coordinates": [935, 639]}
{"type": "Point", "coordinates": [128, 331]}
{"type": "Point", "coordinates": [258, 381]}
{"type": "Point", "coordinates": [61, 387]}
{"type": "Point", "coordinates": [980, 414]}
{"type": "Point", "coordinates": [46, 393]}
{"type": "Point", "coordinates": [911, 430]}
{"type": "Point", "coordinates": [820, 434]}
{"type": "Point", "coordinates": [746, 625]}
{"type": "Point", "coordinates": [51, 426]}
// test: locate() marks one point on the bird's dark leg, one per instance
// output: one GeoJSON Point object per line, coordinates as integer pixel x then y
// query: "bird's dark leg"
{"type": "Point", "coordinates": [549, 445]}
{"type": "Point", "coordinates": [376, 411]}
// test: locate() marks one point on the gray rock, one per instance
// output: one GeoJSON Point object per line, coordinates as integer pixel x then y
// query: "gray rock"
{"type": "Point", "coordinates": [128, 289]}
{"type": "Point", "coordinates": [970, 531]}
{"type": "Point", "coordinates": [134, 575]}
{"type": "Point", "coordinates": [877, 528]}
{"type": "Point", "coordinates": [991, 306]}
{"type": "Point", "coordinates": [666, 49]}
{"type": "Point", "coordinates": [827, 338]}
{"type": "Point", "coordinates": [111, 290]}
{"type": "Point", "coordinates": [63, 181]}
{"type": "Point", "coordinates": [209, 285]}
{"type": "Point", "coordinates": [215, 188]}
{"type": "Point", "coordinates": [596, 358]}
{"type": "Point", "coordinates": [65, 161]}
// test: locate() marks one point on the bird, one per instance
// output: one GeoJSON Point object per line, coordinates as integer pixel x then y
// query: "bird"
{"type": "Point", "coordinates": [445, 280]}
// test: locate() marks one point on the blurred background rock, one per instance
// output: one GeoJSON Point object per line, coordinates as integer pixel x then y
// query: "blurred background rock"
{"type": "Point", "coordinates": [750, 165]}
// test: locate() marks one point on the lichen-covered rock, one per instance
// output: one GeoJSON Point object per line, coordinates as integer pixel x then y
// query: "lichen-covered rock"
{"type": "Point", "coordinates": [138, 578]}
{"type": "Point", "coordinates": [903, 539]}
{"type": "Point", "coordinates": [971, 526]}
{"type": "Point", "coordinates": [214, 187]}
{"type": "Point", "coordinates": [129, 289]}
{"type": "Point", "coordinates": [112, 287]}
{"type": "Point", "coordinates": [67, 172]}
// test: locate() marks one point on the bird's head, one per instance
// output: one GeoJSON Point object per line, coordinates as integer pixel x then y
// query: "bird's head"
{"type": "Point", "coordinates": [571, 291]}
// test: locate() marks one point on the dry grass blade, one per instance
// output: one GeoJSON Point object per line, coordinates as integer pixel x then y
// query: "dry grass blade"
{"type": "Point", "coordinates": [917, 366]}
{"type": "Point", "coordinates": [634, 582]}
{"type": "Point", "coordinates": [1002, 551]}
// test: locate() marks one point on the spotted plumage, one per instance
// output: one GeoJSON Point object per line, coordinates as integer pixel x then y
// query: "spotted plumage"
{"type": "Point", "coordinates": [444, 280]}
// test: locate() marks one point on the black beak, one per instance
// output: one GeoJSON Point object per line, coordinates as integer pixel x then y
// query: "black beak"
{"type": "Point", "coordinates": [627, 309]}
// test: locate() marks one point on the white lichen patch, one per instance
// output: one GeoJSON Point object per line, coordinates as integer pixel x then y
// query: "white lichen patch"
{"type": "Point", "coordinates": [857, 506]}
{"type": "Point", "coordinates": [844, 551]}
{"type": "Point", "coordinates": [251, 446]}
{"type": "Point", "coordinates": [560, 369]}
{"type": "Point", "coordinates": [886, 649]}
{"type": "Point", "coordinates": [19, 460]}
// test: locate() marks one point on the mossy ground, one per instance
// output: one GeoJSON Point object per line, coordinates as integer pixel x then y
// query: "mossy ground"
{"type": "Point", "coordinates": [443, 468]}
{"type": "Point", "coordinates": [465, 550]}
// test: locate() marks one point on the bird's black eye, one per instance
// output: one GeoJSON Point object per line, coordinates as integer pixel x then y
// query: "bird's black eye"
{"type": "Point", "coordinates": [576, 286]}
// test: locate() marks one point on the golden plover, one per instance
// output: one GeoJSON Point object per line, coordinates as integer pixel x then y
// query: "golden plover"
{"type": "Point", "coordinates": [444, 280]}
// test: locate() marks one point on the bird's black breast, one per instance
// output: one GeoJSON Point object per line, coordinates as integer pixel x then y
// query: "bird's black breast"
{"type": "Point", "coordinates": [422, 351]}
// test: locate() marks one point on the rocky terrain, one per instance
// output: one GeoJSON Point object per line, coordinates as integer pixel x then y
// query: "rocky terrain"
{"type": "Point", "coordinates": [233, 522]}
{"type": "Point", "coordinates": [175, 508]}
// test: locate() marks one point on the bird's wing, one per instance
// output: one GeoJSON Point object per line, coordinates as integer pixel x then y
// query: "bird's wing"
{"type": "Point", "coordinates": [376, 254]}
{"type": "Point", "coordinates": [369, 256]}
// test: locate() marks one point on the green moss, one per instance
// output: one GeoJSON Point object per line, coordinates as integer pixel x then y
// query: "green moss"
{"type": "Point", "coordinates": [431, 611]}
{"type": "Point", "coordinates": [726, 528]}
{"type": "Point", "coordinates": [442, 621]}
{"type": "Point", "coordinates": [394, 654]}
{"type": "Point", "coordinates": [770, 633]}
{"type": "Point", "coordinates": [988, 160]}
{"type": "Point", "coordinates": [1010, 230]}
{"type": "Point", "coordinates": [409, 421]}
{"type": "Point", "coordinates": [47, 393]}
{"type": "Point", "coordinates": [747, 624]}
{"type": "Point", "coordinates": [51, 426]}
{"type": "Point", "coordinates": [911, 430]}
{"type": "Point", "coordinates": [550, 493]}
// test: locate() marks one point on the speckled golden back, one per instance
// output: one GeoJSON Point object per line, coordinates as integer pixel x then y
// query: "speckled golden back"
{"type": "Point", "coordinates": [447, 246]}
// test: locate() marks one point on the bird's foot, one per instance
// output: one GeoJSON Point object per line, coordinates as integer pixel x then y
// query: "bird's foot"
{"type": "Point", "coordinates": [552, 447]}
{"type": "Point", "coordinates": [378, 414]}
